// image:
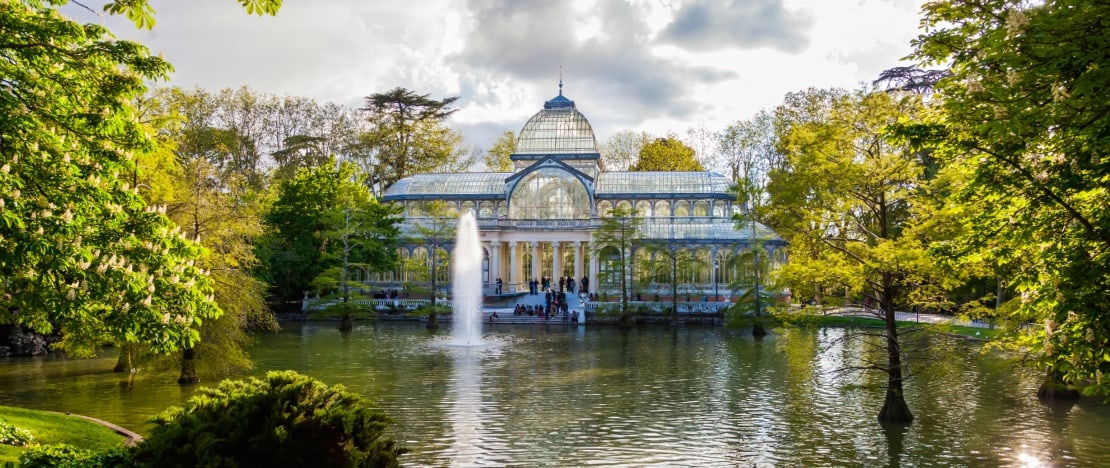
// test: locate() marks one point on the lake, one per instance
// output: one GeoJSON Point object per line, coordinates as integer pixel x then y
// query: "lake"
{"type": "Point", "coordinates": [553, 395]}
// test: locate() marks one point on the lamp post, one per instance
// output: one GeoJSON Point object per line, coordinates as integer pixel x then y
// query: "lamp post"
{"type": "Point", "coordinates": [716, 271]}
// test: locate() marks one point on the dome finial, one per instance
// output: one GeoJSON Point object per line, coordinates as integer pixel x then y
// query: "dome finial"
{"type": "Point", "coordinates": [560, 80]}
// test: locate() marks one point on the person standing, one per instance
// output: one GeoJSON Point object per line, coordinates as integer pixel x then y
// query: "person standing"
{"type": "Point", "coordinates": [586, 284]}
{"type": "Point", "coordinates": [499, 285]}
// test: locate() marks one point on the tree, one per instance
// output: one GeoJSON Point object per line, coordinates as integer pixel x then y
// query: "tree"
{"type": "Point", "coordinates": [407, 136]}
{"type": "Point", "coordinates": [436, 231]}
{"type": "Point", "coordinates": [667, 154]}
{"type": "Point", "coordinates": [668, 258]}
{"type": "Point", "coordinates": [619, 228]}
{"type": "Point", "coordinates": [497, 158]}
{"type": "Point", "coordinates": [1025, 116]}
{"type": "Point", "coordinates": [306, 210]}
{"type": "Point", "coordinates": [749, 149]}
{"type": "Point", "coordinates": [81, 253]}
{"type": "Point", "coordinates": [142, 14]}
{"type": "Point", "coordinates": [621, 150]}
{"type": "Point", "coordinates": [362, 233]}
{"type": "Point", "coordinates": [861, 186]}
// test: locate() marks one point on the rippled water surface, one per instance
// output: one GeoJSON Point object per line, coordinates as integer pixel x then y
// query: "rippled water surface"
{"type": "Point", "coordinates": [561, 396]}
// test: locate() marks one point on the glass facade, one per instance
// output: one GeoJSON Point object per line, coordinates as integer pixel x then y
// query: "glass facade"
{"type": "Point", "coordinates": [549, 193]}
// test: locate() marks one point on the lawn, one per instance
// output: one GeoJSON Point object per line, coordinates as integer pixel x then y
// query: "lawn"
{"type": "Point", "coordinates": [56, 428]}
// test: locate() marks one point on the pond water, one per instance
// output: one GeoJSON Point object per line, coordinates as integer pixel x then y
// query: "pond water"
{"type": "Point", "coordinates": [570, 396]}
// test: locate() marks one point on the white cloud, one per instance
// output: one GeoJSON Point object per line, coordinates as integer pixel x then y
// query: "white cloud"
{"type": "Point", "coordinates": [641, 64]}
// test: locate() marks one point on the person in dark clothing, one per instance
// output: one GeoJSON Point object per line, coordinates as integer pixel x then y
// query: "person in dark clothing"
{"type": "Point", "coordinates": [585, 284]}
{"type": "Point", "coordinates": [562, 284]}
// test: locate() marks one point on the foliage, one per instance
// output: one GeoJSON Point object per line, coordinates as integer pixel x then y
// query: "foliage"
{"type": "Point", "coordinates": [497, 158]}
{"type": "Point", "coordinates": [749, 148]}
{"type": "Point", "coordinates": [286, 419]}
{"type": "Point", "coordinates": [142, 14]}
{"type": "Point", "coordinates": [854, 189]}
{"type": "Point", "coordinates": [622, 149]}
{"type": "Point", "coordinates": [1025, 119]}
{"type": "Point", "coordinates": [50, 428]}
{"type": "Point", "coordinates": [11, 435]}
{"type": "Point", "coordinates": [619, 229]}
{"type": "Point", "coordinates": [407, 135]}
{"type": "Point", "coordinates": [667, 154]}
{"type": "Point", "coordinates": [300, 247]}
{"type": "Point", "coordinates": [68, 456]}
{"type": "Point", "coordinates": [435, 232]}
{"type": "Point", "coordinates": [80, 251]}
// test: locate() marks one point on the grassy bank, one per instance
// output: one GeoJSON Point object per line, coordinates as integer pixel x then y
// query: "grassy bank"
{"type": "Point", "coordinates": [56, 428]}
{"type": "Point", "coordinates": [868, 322]}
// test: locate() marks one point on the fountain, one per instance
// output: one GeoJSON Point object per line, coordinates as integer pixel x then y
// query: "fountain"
{"type": "Point", "coordinates": [466, 288]}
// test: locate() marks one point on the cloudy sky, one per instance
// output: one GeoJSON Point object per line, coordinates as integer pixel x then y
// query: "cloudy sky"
{"type": "Point", "coordinates": [654, 65]}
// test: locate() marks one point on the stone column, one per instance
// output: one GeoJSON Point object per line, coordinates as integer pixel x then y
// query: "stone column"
{"type": "Point", "coordinates": [595, 280]}
{"type": "Point", "coordinates": [536, 260]}
{"type": "Point", "coordinates": [495, 266]}
{"type": "Point", "coordinates": [514, 268]}
{"type": "Point", "coordinates": [577, 263]}
{"type": "Point", "coordinates": [555, 265]}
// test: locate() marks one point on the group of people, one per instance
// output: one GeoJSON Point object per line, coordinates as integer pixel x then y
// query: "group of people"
{"type": "Point", "coordinates": [566, 284]}
{"type": "Point", "coordinates": [387, 294]}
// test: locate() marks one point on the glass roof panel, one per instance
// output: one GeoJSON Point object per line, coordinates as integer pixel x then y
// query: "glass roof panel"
{"type": "Point", "coordinates": [711, 229]}
{"type": "Point", "coordinates": [557, 131]}
{"type": "Point", "coordinates": [629, 182]}
{"type": "Point", "coordinates": [466, 183]}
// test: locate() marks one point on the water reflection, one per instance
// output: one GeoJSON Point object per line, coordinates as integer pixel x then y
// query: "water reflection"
{"type": "Point", "coordinates": [573, 396]}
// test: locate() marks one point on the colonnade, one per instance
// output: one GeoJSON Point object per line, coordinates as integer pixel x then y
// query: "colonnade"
{"type": "Point", "coordinates": [506, 261]}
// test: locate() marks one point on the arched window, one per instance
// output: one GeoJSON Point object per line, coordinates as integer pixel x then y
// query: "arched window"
{"type": "Point", "coordinates": [468, 206]}
{"type": "Point", "coordinates": [609, 267]}
{"type": "Point", "coordinates": [624, 205]}
{"type": "Point", "coordinates": [662, 208]}
{"type": "Point", "coordinates": [703, 273]}
{"type": "Point", "coordinates": [681, 208]}
{"type": "Point", "coordinates": [603, 208]}
{"type": "Point", "coordinates": [415, 209]}
{"type": "Point", "coordinates": [643, 208]}
{"type": "Point", "coordinates": [720, 208]}
{"type": "Point", "coordinates": [701, 208]}
{"type": "Point", "coordinates": [549, 193]}
{"type": "Point", "coordinates": [451, 210]}
{"type": "Point", "coordinates": [502, 209]}
{"type": "Point", "coordinates": [485, 210]}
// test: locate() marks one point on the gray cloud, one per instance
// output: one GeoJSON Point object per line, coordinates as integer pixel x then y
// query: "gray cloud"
{"type": "Point", "coordinates": [614, 68]}
{"type": "Point", "coordinates": [745, 24]}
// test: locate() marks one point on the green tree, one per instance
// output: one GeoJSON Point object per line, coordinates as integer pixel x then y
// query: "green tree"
{"type": "Point", "coordinates": [667, 154]}
{"type": "Point", "coordinates": [668, 257]}
{"type": "Point", "coordinates": [407, 135]}
{"type": "Point", "coordinates": [306, 210]}
{"type": "Point", "coordinates": [497, 158]}
{"type": "Point", "coordinates": [81, 253]}
{"type": "Point", "coordinates": [1024, 115]}
{"type": "Point", "coordinates": [620, 228]}
{"type": "Point", "coordinates": [436, 231]}
{"type": "Point", "coordinates": [862, 186]}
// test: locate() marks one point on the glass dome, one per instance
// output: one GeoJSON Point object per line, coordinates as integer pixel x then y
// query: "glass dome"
{"type": "Point", "coordinates": [557, 129]}
{"type": "Point", "coordinates": [549, 193]}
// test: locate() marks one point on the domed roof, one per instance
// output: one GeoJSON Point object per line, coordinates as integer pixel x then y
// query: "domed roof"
{"type": "Point", "coordinates": [557, 129]}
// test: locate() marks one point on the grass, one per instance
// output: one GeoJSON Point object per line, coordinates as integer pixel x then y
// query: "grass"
{"type": "Point", "coordinates": [56, 428]}
{"type": "Point", "coordinates": [857, 321]}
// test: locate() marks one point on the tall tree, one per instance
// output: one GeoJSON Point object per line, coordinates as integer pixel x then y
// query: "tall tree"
{"type": "Point", "coordinates": [81, 253]}
{"type": "Point", "coordinates": [408, 136]}
{"type": "Point", "coordinates": [667, 154]}
{"type": "Point", "coordinates": [436, 232]}
{"type": "Point", "coordinates": [620, 228]}
{"type": "Point", "coordinates": [621, 150]}
{"type": "Point", "coordinates": [861, 186]}
{"type": "Point", "coordinates": [1025, 115]}
{"type": "Point", "coordinates": [748, 149]}
{"type": "Point", "coordinates": [497, 158]}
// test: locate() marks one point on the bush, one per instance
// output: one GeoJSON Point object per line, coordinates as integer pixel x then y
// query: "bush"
{"type": "Point", "coordinates": [287, 419]}
{"type": "Point", "coordinates": [11, 435]}
{"type": "Point", "coordinates": [67, 456]}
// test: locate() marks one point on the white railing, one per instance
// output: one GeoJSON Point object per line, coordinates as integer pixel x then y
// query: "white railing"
{"type": "Point", "coordinates": [658, 307]}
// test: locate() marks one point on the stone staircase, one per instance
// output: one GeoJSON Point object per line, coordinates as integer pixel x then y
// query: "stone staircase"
{"type": "Point", "coordinates": [505, 314]}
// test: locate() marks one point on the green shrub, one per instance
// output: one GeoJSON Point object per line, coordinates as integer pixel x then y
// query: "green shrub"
{"type": "Point", "coordinates": [11, 435]}
{"type": "Point", "coordinates": [287, 419]}
{"type": "Point", "coordinates": [68, 456]}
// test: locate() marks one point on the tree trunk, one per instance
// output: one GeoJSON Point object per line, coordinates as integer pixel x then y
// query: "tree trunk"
{"type": "Point", "coordinates": [433, 321]}
{"type": "Point", "coordinates": [895, 410]}
{"type": "Point", "coordinates": [345, 325]}
{"type": "Point", "coordinates": [125, 363]}
{"type": "Point", "coordinates": [758, 330]}
{"type": "Point", "coordinates": [1053, 388]}
{"type": "Point", "coordinates": [188, 367]}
